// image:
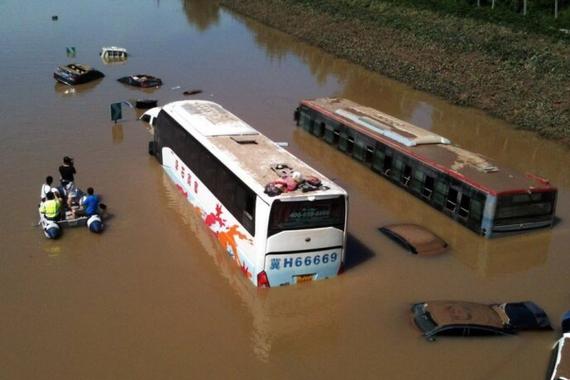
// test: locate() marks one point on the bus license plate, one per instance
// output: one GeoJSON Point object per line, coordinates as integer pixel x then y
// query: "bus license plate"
{"type": "Point", "coordinates": [304, 278]}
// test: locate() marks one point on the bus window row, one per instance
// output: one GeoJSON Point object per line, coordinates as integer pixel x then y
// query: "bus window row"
{"type": "Point", "coordinates": [456, 199]}
{"type": "Point", "coordinates": [226, 186]}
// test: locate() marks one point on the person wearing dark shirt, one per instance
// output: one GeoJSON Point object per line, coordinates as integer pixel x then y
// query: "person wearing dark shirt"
{"type": "Point", "coordinates": [67, 171]}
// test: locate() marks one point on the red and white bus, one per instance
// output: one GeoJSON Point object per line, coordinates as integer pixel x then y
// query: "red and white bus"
{"type": "Point", "coordinates": [466, 186]}
{"type": "Point", "coordinates": [222, 165]}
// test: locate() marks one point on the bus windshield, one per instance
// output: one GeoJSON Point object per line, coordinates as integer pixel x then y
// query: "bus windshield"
{"type": "Point", "coordinates": [524, 206]}
{"type": "Point", "coordinates": [297, 215]}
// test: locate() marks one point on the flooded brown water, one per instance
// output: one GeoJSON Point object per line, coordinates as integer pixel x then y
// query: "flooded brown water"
{"type": "Point", "coordinates": [155, 297]}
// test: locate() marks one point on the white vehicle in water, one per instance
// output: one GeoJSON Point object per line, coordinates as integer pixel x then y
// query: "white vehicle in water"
{"type": "Point", "coordinates": [223, 166]}
{"type": "Point", "coordinates": [113, 52]}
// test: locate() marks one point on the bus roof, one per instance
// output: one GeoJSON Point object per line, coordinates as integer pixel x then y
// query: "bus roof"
{"type": "Point", "coordinates": [429, 148]}
{"type": "Point", "coordinates": [251, 155]}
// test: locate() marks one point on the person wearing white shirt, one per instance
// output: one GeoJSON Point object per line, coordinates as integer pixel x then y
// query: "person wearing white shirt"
{"type": "Point", "coordinates": [46, 188]}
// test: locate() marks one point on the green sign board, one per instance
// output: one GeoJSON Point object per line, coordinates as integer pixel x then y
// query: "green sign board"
{"type": "Point", "coordinates": [116, 112]}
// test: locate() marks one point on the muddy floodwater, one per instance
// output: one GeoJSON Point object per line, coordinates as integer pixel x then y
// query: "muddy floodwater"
{"type": "Point", "coordinates": [155, 297]}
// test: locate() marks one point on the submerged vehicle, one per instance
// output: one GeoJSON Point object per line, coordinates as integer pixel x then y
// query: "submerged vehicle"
{"type": "Point", "coordinates": [466, 186]}
{"type": "Point", "coordinates": [76, 73]}
{"type": "Point", "coordinates": [150, 115]}
{"type": "Point", "coordinates": [459, 318]}
{"type": "Point", "coordinates": [110, 53]}
{"type": "Point", "coordinates": [145, 103]}
{"type": "Point", "coordinates": [560, 365]}
{"type": "Point", "coordinates": [278, 218]}
{"type": "Point", "coordinates": [415, 239]}
{"type": "Point", "coordinates": [141, 80]}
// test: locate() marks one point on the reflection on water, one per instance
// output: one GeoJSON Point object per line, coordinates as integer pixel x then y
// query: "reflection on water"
{"type": "Point", "coordinates": [63, 89]}
{"type": "Point", "coordinates": [273, 320]}
{"type": "Point", "coordinates": [202, 13]}
{"type": "Point", "coordinates": [497, 256]}
{"type": "Point", "coordinates": [117, 133]}
{"type": "Point", "coordinates": [500, 256]}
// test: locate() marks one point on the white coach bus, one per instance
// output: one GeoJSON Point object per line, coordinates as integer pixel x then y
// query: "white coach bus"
{"type": "Point", "coordinates": [222, 165]}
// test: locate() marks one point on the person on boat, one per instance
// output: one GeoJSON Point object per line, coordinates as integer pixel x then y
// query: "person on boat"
{"type": "Point", "coordinates": [51, 208]}
{"type": "Point", "coordinates": [89, 204]}
{"type": "Point", "coordinates": [67, 171]}
{"type": "Point", "coordinates": [46, 188]}
{"type": "Point", "coordinates": [73, 196]}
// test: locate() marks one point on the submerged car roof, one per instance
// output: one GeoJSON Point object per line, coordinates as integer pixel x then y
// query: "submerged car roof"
{"type": "Point", "coordinates": [423, 241]}
{"type": "Point", "coordinates": [464, 313]}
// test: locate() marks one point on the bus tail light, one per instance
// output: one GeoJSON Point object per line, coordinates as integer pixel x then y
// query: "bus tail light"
{"type": "Point", "coordinates": [341, 268]}
{"type": "Point", "coordinates": [262, 280]}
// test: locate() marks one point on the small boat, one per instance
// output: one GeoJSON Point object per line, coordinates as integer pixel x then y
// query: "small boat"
{"type": "Point", "coordinates": [53, 228]}
{"type": "Point", "coordinates": [113, 52]}
{"type": "Point", "coordinates": [141, 80]}
{"type": "Point", "coordinates": [76, 73]}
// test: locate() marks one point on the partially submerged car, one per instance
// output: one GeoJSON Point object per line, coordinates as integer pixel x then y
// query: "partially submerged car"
{"type": "Point", "coordinates": [76, 73]}
{"type": "Point", "coordinates": [458, 318]}
{"type": "Point", "coordinates": [415, 239]}
{"type": "Point", "coordinates": [560, 366]}
{"type": "Point", "coordinates": [113, 52]}
{"type": "Point", "coordinates": [150, 115]}
{"type": "Point", "coordinates": [141, 80]}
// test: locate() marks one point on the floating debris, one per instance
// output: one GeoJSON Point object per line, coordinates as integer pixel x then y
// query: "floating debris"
{"type": "Point", "coordinates": [192, 92]}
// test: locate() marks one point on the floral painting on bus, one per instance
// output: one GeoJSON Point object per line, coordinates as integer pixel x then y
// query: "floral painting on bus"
{"type": "Point", "coordinates": [233, 239]}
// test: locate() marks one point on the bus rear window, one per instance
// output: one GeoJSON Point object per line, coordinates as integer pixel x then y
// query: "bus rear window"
{"type": "Point", "coordinates": [525, 205]}
{"type": "Point", "coordinates": [298, 215]}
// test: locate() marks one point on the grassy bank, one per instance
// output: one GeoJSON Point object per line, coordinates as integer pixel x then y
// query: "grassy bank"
{"type": "Point", "coordinates": [521, 77]}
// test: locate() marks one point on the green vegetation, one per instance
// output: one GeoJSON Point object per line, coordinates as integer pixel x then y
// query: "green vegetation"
{"type": "Point", "coordinates": [520, 76]}
{"type": "Point", "coordinates": [538, 18]}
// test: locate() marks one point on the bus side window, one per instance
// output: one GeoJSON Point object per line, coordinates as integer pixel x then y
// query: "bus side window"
{"type": "Point", "coordinates": [418, 180]}
{"type": "Point", "coordinates": [318, 129]}
{"type": "Point", "coordinates": [305, 119]}
{"type": "Point", "coordinates": [464, 206]}
{"type": "Point", "coordinates": [359, 151]}
{"type": "Point", "coordinates": [406, 175]}
{"type": "Point", "coordinates": [369, 154]}
{"type": "Point", "coordinates": [329, 134]}
{"type": "Point", "coordinates": [476, 210]}
{"type": "Point", "coordinates": [336, 137]}
{"type": "Point", "coordinates": [441, 189]}
{"type": "Point", "coordinates": [398, 168]}
{"type": "Point", "coordinates": [452, 196]}
{"type": "Point", "coordinates": [427, 191]}
{"type": "Point", "coordinates": [387, 167]}
{"type": "Point", "coordinates": [346, 143]}
{"type": "Point", "coordinates": [245, 207]}
{"type": "Point", "coordinates": [378, 161]}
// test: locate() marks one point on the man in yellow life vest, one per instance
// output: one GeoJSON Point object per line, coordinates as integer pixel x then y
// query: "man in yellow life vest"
{"type": "Point", "coordinates": [51, 208]}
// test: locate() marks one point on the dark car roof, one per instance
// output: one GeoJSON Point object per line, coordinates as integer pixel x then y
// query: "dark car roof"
{"type": "Point", "coordinates": [423, 241]}
{"type": "Point", "coordinates": [464, 313]}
